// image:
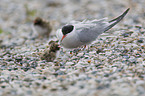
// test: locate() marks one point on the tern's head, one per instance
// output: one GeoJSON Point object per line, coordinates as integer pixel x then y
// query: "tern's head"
{"type": "Point", "coordinates": [67, 29]}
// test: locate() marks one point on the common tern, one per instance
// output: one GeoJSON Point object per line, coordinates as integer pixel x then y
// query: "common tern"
{"type": "Point", "coordinates": [76, 34]}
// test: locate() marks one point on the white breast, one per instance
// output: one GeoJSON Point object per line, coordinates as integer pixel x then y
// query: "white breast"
{"type": "Point", "coordinates": [70, 41]}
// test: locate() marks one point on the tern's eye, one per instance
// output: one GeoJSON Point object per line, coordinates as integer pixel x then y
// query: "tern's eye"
{"type": "Point", "coordinates": [67, 29]}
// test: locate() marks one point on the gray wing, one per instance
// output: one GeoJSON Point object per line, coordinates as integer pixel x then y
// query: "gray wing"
{"type": "Point", "coordinates": [89, 34]}
{"type": "Point", "coordinates": [116, 20]}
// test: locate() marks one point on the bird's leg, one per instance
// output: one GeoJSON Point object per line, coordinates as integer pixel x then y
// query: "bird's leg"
{"type": "Point", "coordinates": [75, 51]}
{"type": "Point", "coordinates": [84, 47]}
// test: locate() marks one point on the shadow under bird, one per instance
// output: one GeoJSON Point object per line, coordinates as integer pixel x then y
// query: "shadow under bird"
{"type": "Point", "coordinates": [43, 28]}
{"type": "Point", "coordinates": [76, 34]}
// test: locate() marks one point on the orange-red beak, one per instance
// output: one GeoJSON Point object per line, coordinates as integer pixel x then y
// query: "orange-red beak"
{"type": "Point", "coordinates": [63, 37]}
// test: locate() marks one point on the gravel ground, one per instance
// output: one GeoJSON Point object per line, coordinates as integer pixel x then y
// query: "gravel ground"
{"type": "Point", "coordinates": [113, 65]}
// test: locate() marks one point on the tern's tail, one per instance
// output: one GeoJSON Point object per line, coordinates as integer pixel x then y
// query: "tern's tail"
{"type": "Point", "coordinates": [116, 20]}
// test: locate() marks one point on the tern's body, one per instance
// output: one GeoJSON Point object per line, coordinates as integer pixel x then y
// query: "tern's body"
{"type": "Point", "coordinates": [76, 34]}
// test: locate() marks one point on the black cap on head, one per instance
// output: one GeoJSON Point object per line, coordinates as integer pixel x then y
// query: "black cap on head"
{"type": "Point", "coordinates": [67, 29]}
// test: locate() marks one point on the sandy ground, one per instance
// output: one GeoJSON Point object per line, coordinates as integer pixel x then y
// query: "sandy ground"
{"type": "Point", "coordinates": [114, 65]}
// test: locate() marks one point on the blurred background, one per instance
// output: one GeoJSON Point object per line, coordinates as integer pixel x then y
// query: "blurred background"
{"type": "Point", "coordinates": [113, 66]}
{"type": "Point", "coordinates": [16, 16]}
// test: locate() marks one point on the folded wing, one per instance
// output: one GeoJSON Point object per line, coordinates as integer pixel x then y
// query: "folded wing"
{"type": "Point", "coordinates": [90, 30]}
